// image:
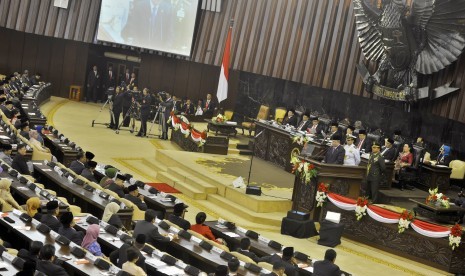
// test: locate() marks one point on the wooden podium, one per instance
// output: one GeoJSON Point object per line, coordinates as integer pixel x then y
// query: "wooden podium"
{"type": "Point", "coordinates": [343, 180]}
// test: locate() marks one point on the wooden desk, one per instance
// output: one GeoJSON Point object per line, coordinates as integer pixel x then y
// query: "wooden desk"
{"type": "Point", "coordinates": [438, 213]}
{"type": "Point", "coordinates": [64, 153]}
{"type": "Point", "coordinates": [36, 118]}
{"type": "Point", "coordinates": [435, 176]}
{"type": "Point", "coordinates": [223, 128]}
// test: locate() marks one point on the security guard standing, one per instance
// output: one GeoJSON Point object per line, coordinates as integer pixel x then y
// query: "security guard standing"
{"type": "Point", "coordinates": [144, 112]}
{"type": "Point", "coordinates": [375, 172]}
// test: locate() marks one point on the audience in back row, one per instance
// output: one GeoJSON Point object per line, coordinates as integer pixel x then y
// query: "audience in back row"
{"type": "Point", "coordinates": [90, 240]}
{"type": "Point", "coordinates": [46, 265]}
{"type": "Point", "coordinates": [33, 208]}
{"type": "Point", "coordinates": [50, 219]}
{"type": "Point", "coordinates": [6, 199]}
{"type": "Point", "coordinates": [176, 217]}
{"type": "Point", "coordinates": [110, 215]}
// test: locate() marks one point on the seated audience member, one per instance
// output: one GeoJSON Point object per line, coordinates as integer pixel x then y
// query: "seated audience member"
{"type": "Point", "coordinates": [119, 256]}
{"type": "Point", "coordinates": [33, 254]}
{"type": "Point", "coordinates": [130, 266]}
{"type": "Point", "coordinates": [29, 269]}
{"type": "Point", "coordinates": [89, 156]}
{"type": "Point", "coordinates": [34, 135]}
{"type": "Point", "coordinates": [50, 219]}
{"type": "Point", "coordinates": [398, 137]}
{"type": "Point", "coordinates": [363, 143]}
{"type": "Point", "coordinates": [389, 152]}
{"type": "Point", "coordinates": [90, 240]}
{"type": "Point", "coordinates": [110, 174]}
{"type": "Point", "coordinates": [444, 157]}
{"type": "Point", "coordinates": [66, 229]}
{"type": "Point", "coordinates": [135, 197]}
{"type": "Point", "coordinates": [188, 108]}
{"type": "Point", "coordinates": [146, 227]}
{"type": "Point", "coordinates": [177, 105]}
{"type": "Point", "coordinates": [203, 229]}
{"type": "Point", "coordinates": [334, 130]}
{"type": "Point", "coordinates": [316, 127]}
{"type": "Point", "coordinates": [5, 154]}
{"type": "Point", "coordinates": [199, 109]}
{"type": "Point", "coordinates": [176, 218]}
{"type": "Point", "coordinates": [358, 125]}
{"type": "Point", "coordinates": [305, 123]}
{"type": "Point", "coordinates": [7, 109]}
{"type": "Point", "coordinates": [336, 153]}
{"type": "Point", "coordinates": [420, 143]}
{"type": "Point", "coordinates": [8, 201]}
{"type": "Point", "coordinates": [233, 266]}
{"type": "Point", "coordinates": [110, 215]}
{"type": "Point", "coordinates": [327, 266]}
{"type": "Point", "coordinates": [278, 270]}
{"type": "Point", "coordinates": [40, 131]}
{"type": "Point", "coordinates": [209, 106]}
{"type": "Point", "coordinates": [244, 250]}
{"type": "Point", "coordinates": [79, 164]}
{"type": "Point", "coordinates": [33, 208]}
{"type": "Point", "coordinates": [118, 185]}
{"type": "Point", "coordinates": [405, 159]}
{"type": "Point", "coordinates": [221, 270]}
{"type": "Point", "coordinates": [46, 265]}
{"type": "Point", "coordinates": [88, 172]}
{"type": "Point", "coordinates": [25, 130]}
{"type": "Point", "coordinates": [287, 259]}
{"type": "Point", "coordinates": [352, 155]}
{"type": "Point", "coordinates": [20, 162]}
{"type": "Point", "coordinates": [290, 118]}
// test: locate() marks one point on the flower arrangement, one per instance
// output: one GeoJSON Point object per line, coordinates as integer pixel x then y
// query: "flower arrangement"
{"type": "Point", "coordinates": [182, 123]}
{"type": "Point", "coordinates": [405, 219]}
{"type": "Point", "coordinates": [321, 194]}
{"type": "Point", "coordinates": [455, 236]}
{"type": "Point", "coordinates": [361, 208]}
{"type": "Point", "coordinates": [437, 198]}
{"type": "Point", "coordinates": [300, 139]}
{"type": "Point", "coordinates": [219, 118]}
{"type": "Point", "coordinates": [305, 170]}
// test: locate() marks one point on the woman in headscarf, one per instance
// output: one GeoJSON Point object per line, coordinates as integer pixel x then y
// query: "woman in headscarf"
{"type": "Point", "coordinates": [90, 240]}
{"type": "Point", "coordinates": [444, 157]}
{"type": "Point", "coordinates": [110, 216]}
{"type": "Point", "coordinates": [39, 131]}
{"type": "Point", "coordinates": [33, 139]}
{"type": "Point", "coordinates": [33, 208]}
{"type": "Point", "coordinates": [8, 201]}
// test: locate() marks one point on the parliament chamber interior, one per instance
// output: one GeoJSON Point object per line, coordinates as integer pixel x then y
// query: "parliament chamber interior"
{"type": "Point", "coordinates": [232, 137]}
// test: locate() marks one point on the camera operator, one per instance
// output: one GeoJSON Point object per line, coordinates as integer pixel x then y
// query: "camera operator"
{"type": "Point", "coordinates": [167, 107]}
{"type": "Point", "coordinates": [117, 106]}
{"type": "Point", "coordinates": [144, 112]}
{"type": "Point", "coordinates": [127, 102]}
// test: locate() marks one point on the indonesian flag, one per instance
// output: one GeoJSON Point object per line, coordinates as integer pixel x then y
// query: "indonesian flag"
{"type": "Point", "coordinates": [222, 92]}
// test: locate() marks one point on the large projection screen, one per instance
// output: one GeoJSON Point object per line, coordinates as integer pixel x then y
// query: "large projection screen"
{"type": "Point", "coordinates": [162, 25]}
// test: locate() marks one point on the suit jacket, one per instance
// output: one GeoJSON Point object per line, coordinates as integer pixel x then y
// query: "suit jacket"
{"type": "Point", "coordinates": [77, 167]}
{"type": "Point", "coordinates": [317, 131]}
{"type": "Point", "coordinates": [335, 155]}
{"type": "Point", "coordinates": [110, 81]}
{"type": "Point", "coordinates": [184, 224]}
{"type": "Point", "coordinates": [93, 80]}
{"type": "Point", "coordinates": [88, 175]}
{"type": "Point", "coordinates": [20, 164]}
{"type": "Point", "coordinates": [137, 201]}
{"type": "Point", "coordinates": [304, 125]}
{"type": "Point", "coordinates": [188, 109]}
{"type": "Point", "coordinates": [71, 234]}
{"type": "Point", "coordinates": [366, 145]}
{"type": "Point", "coordinates": [123, 256]}
{"type": "Point", "coordinates": [290, 269]}
{"type": "Point", "coordinates": [168, 105]}
{"type": "Point", "coordinates": [6, 158]}
{"type": "Point", "coordinates": [51, 221]}
{"type": "Point", "coordinates": [390, 154]}
{"type": "Point", "coordinates": [50, 268]}
{"type": "Point", "coordinates": [325, 268]}
{"type": "Point", "coordinates": [292, 121]}
{"type": "Point", "coordinates": [209, 106]}
{"type": "Point", "coordinates": [117, 189]}
{"type": "Point", "coordinates": [26, 255]}
{"type": "Point", "coordinates": [375, 167]}
{"type": "Point", "coordinates": [115, 221]}
{"type": "Point", "coordinates": [152, 236]}
{"type": "Point", "coordinates": [249, 254]}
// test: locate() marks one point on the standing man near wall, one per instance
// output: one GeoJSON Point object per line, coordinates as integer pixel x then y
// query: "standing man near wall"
{"type": "Point", "coordinates": [93, 85]}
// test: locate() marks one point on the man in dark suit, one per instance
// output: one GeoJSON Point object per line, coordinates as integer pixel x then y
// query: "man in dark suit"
{"type": "Point", "coordinates": [126, 77]}
{"type": "Point", "coordinates": [167, 107]}
{"type": "Point", "coordinates": [363, 144]}
{"type": "Point", "coordinates": [135, 197]}
{"type": "Point", "coordinates": [109, 81]}
{"type": "Point", "coordinates": [88, 172]}
{"type": "Point", "coordinates": [233, 266]}
{"type": "Point", "coordinates": [25, 130]}
{"type": "Point", "coordinates": [316, 127]}
{"type": "Point", "coordinates": [389, 152]}
{"type": "Point", "coordinates": [177, 105]}
{"type": "Point", "coordinates": [188, 108]}
{"type": "Point", "coordinates": [20, 162]}
{"type": "Point", "coordinates": [33, 254]}
{"type": "Point", "coordinates": [327, 266]}
{"type": "Point", "coordinates": [336, 153]}
{"type": "Point", "coordinates": [334, 131]}
{"type": "Point", "coordinates": [50, 219]}
{"type": "Point", "coordinates": [278, 270]}
{"type": "Point", "coordinates": [146, 227]}
{"type": "Point", "coordinates": [209, 106]}
{"type": "Point", "coordinates": [79, 164]}
{"type": "Point", "coordinates": [287, 260]}
{"type": "Point", "coordinates": [8, 109]}
{"type": "Point", "coordinates": [375, 172]}
{"type": "Point", "coordinates": [144, 112]}
{"type": "Point", "coordinates": [118, 185]}
{"type": "Point", "coordinates": [46, 265]}
{"type": "Point", "coordinates": [176, 217]}
{"type": "Point", "coordinates": [93, 85]}
{"type": "Point", "coordinates": [119, 256]}
{"type": "Point", "coordinates": [305, 123]}
{"type": "Point", "coordinates": [132, 81]}
{"type": "Point", "coordinates": [66, 229]}
{"type": "Point", "coordinates": [244, 250]}
{"type": "Point", "coordinates": [290, 119]}
{"type": "Point", "coordinates": [120, 97]}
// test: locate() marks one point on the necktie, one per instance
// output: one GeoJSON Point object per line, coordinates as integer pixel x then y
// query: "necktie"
{"type": "Point", "coordinates": [110, 74]}
{"type": "Point", "coordinates": [301, 125]}
{"type": "Point", "coordinates": [360, 144]}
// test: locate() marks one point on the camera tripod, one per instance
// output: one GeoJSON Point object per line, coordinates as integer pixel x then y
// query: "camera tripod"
{"type": "Point", "coordinates": [159, 118]}
{"type": "Point", "coordinates": [133, 114]}
{"type": "Point", "coordinates": [109, 102]}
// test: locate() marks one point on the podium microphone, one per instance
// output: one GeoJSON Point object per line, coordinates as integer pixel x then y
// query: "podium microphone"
{"type": "Point", "coordinates": [251, 189]}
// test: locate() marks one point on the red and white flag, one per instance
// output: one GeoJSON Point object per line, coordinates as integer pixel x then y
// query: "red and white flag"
{"type": "Point", "coordinates": [222, 93]}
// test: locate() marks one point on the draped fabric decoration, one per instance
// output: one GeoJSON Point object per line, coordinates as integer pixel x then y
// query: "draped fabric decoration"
{"type": "Point", "coordinates": [386, 216]}
{"type": "Point", "coordinates": [182, 123]}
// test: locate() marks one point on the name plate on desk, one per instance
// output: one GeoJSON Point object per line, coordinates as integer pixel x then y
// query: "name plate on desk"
{"type": "Point", "coordinates": [263, 239]}
{"type": "Point", "coordinates": [91, 257]}
{"type": "Point", "coordinates": [242, 230]}
{"type": "Point", "coordinates": [195, 239]}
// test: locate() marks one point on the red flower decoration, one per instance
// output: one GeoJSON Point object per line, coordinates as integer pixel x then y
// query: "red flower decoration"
{"type": "Point", "coordinates": [406, 215]}
{"type": "Point", "coordinates": [322, 187]}
{"type": "Point", "coordinates": [362, 201]}
{"type": "Point", "coordinates": [456, 230]}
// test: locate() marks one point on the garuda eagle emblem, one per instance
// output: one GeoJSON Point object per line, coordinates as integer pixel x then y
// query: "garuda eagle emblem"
{"type": "Point", "coordinates": [423, 36]}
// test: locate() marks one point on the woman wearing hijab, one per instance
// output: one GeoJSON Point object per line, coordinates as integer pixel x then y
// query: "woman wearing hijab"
{"type": "Point", "coordinates": [444, 157]}
{"type": "Point", "coordinates": [110, 216]}
{"type": "Point", "coordinates": [40, 132]}
{"type": "Point", "coordinates": [90, 240]}
{"type": "Point", "coordinates": [8, 201]}
{"type": "Point", "coordinates": [33, 208]}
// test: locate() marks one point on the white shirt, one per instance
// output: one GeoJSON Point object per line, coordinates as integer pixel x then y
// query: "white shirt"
{"type": "Point", "coordinates": [352, 156]}
{"type": "Point", "coordinates": [199, 111]}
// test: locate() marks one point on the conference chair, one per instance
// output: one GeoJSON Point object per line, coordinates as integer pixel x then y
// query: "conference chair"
{"type": "Point", "coordinates": [279, 114]}
{"type": "Point", "coordinates": [242, 257]}
{"type": "Point", "coordinates": [137, 214]}
{"type": "Point", "coordinates": [195, 234]}
{"type": "Point", "coordinates": [410, 174]}
{"type": "Point", "coordinates": [263, 113]}
{"type": "Point", "coordinates": [458, 172]}
{"type": "Point", "coordinates": [221, 246]}
{"type": "Point", "coordinates": [228, 114]}
{"type": "Point", "coordinates": [266, 266]}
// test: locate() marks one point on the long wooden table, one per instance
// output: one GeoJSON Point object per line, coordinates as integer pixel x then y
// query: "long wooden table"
{"type": "Point", "coordinates": [64, 153]}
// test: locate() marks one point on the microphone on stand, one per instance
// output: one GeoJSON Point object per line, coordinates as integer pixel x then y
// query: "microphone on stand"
{"type": "Point", "coordinates": [253, 190]}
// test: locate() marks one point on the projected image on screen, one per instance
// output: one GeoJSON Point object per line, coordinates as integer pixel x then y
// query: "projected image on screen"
{"type": "Point", "coordinates": [163, 25]}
